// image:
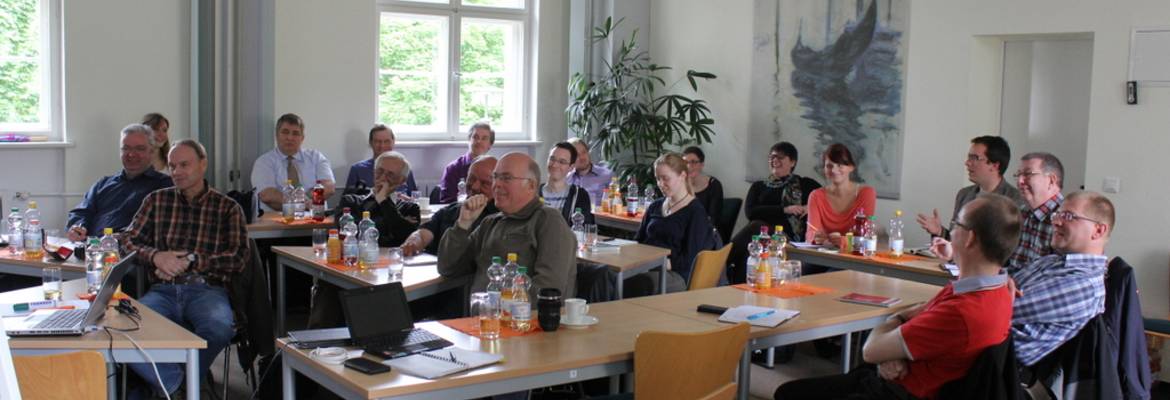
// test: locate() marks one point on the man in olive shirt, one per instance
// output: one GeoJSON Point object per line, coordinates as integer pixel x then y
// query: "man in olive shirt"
{"type": "Point", "coordinates": [987, 160]}
{"type": "Point", "coordinates": [522, 220]}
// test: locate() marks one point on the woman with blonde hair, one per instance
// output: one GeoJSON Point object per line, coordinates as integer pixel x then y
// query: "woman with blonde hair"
{"type": "Point", "coordinates": [160, 139]}
{"type": "Point", "coordinates": [676, 222]}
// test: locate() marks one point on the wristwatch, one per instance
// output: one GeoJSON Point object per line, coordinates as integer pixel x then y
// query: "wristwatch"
{"type": "Point", "coordinates": [191, 258]}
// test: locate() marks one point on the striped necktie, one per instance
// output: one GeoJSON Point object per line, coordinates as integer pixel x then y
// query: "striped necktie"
{"type": "Point", "coordinates": [293, 173]}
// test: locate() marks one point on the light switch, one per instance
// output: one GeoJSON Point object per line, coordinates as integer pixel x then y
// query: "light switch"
{"type": "Point", "coordinates": [1112, 184]}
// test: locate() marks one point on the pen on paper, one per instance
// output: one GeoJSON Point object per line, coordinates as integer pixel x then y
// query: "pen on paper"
{"type": "Point", "coordinates": [756, 316]}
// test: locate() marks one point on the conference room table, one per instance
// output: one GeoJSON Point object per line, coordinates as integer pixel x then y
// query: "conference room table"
{"type": "Point", "coordinates": [627, 259]}
{"type": "Point", "coordinates": [607, 348]}
{"type": "Point", "coordinates": [909, 267]}
{"type": "Point", "coordinates": [163, 340]}
{"type": "Point", "coordinates": [71, 268]}
{"type": "Point", "coordinates": [272, 226]}
{"type": "Point", "coordinates": [618, 221]}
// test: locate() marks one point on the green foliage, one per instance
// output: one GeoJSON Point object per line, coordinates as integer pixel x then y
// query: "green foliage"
{"type": "Point", "coordinates": [620, 112]}
{"type": "Point", "coordinates": [481, 90]}
{"type": "Point", "coordinates": [19, 62]}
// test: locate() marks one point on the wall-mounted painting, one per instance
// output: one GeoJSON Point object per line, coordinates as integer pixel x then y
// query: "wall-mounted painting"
{"type": "Point", "coordinates": [831, 71]}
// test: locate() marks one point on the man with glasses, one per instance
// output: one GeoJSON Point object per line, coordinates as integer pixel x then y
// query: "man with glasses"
{"type": "Point", "coordinates": [112, 201]}
{"type": "Point", "coordinates": [559, 194]}
{"type": "Point", "coordinates": [1040, 179]}
{"type": "Point", "coordinates": [536, 233]}
{"type": "Point", "coordinates": [479, 182]}
{"type": "Point", "coordinates": [987, 161]}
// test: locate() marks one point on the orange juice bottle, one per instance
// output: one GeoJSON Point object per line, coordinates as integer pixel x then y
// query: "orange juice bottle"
{"type": "Point", "coordinates": [333, 248]}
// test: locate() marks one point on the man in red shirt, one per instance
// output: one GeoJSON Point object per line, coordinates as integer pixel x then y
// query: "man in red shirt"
{"type": "Point", "coordinates": [921, 348]}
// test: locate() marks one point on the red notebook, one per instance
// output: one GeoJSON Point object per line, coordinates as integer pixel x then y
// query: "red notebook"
{"type": "Point", "coordinates": [867, 299]}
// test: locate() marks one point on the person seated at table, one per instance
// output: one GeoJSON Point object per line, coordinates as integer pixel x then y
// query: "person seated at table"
{"type": "Point", "coordinates": [480, 138]}
{"type": "Point", "coordinates": [160, 128]}
{"type": "Point", "coordinates": [192, 241]}
{"type": "Point", "coordinates": [361, 174]}
{"type": "Point", "coordinates": [112, 201]}
{"type": "Point", "coordinates": [537, 234]}
{"type": "Point", "coordinates": [780, 200]}
{"type": "Point", "coordinates": [428, 235]}
{"type": "Point", "coordinates": [921, 348]}
{"type": "Point", "coordinates": [987, 160]}
{"type": "Point", "coordinates": [593, 177]}
{"type": "Point", "coordinates": [831, 209]}
{"type": "Point", "coordinates": [289, 161]}
{"type": "Point", "coordinates": [1040, 179]}
{"type": "Point", "coordinates": [395, 219]}
{"type": "Point", "coordinates": [677, 222]}
{"type": "Point", "coordinates": [558, 193]}
{"type": "Point", "coordinates": [708, 190]}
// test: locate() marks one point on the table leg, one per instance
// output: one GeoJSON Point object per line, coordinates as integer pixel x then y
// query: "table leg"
{"type": "Point", "coordinates": [621, 279]}
{"type": "Point", "coordinates": [286, 381]}
{"type": "Point", "coordinates": [280, 305]}
{"type": "Point", "coordinates": [193, 373]}
{"type": "Point", "coordinates": [111, 381]}
{"type": "Point", "coordinates": [662, 276]}
{"type": "Point", "coordinates": [615, 384]}
{"type": "Point", "coordinates": [846, 352]}
{"type": "Point", "coordinates": [745, 373]}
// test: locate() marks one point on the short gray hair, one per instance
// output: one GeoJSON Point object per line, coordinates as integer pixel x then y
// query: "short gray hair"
{"type": "Point", "coordinates": [195, 146]}
{"type": "Point", "coordinates": [482, 125]}
{"type": "Point", "coordinates": [534, 169]}
{"type": "Point", "coordinates": [1049, 163]}
{"type": "Point", "coordinates": [140, 128]}
{"type": "Point", "coordinates": [397, 156]}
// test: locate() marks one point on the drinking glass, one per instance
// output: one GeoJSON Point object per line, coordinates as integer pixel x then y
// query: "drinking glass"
{"type": "Point", "coordinates": [590, 237]}
{"type": "Point", "coordinates": [396, 263]}
{"type": "Point", "coordinates": [51, 283]}
{"type": "Point", "coordinates": [320, 238]}
{"type": "Point", "coordinates": [487, 310]}
{"type": "Point", "coordinates": [794, 270]}
{"type": "Point", "coordinates": [416, 195]}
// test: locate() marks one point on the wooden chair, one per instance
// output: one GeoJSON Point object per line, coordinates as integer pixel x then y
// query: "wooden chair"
{"type": "Point", "coordinates": [1157, 333]}
{"type": "Point", "coordinates": [670, 365]}
{"type": "Point", "coordinates": [709, 265]}
{"type": "Point", "coordinates": [43, 377]}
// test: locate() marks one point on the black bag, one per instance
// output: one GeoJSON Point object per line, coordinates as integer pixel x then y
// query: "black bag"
{"type": "Point", "coordinates": [248, 203]}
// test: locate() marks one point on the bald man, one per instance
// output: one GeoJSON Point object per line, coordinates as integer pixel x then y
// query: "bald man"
{"type": "Point", "coordinates": [522, 219]}
{"type": "Point", "coordinates": [479, 182]}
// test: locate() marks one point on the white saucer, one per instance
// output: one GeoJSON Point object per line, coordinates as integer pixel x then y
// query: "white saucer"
{"type": "Point", "coordinates": [585, 321]}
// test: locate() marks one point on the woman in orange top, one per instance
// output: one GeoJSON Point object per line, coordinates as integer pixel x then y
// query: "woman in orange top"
{"type": "Point", "coordinates": [831, 209]}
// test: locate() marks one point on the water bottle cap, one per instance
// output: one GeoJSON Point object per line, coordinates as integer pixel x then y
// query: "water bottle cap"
{"type": "Point", "coordinates": [15, 209]}
{"type": "Point", "coordinates": [897, 213]}
{"type": "Point", "coordinates": [755, 237]}
{"type": "Point", "coordinates": [873, 218]}
{"type": "Point", "coordinates": [512, 257]}
{"type": "Point", "coordinates": [108, 231]}
{"type": "Point", "coordinates": [366, 214]}
{"type": "Point", "coordinates": [578, 210]}
{"type": "Point", "coordinates": [345, 210]}
{"type": "Point", "coordinates": [496, 259]}
{"type": "Point", "coordinates": [32, 204]}
{"type": "Point", "coordinates": [333, 232]}
{"type": "Point", "coordinates": [522, 269]}
{"type": "Point", "coordinates": [779, 228]}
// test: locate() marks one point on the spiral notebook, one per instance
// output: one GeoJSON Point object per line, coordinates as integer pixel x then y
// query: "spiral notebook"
{"type": "Point", "coordinates": [438, 363]}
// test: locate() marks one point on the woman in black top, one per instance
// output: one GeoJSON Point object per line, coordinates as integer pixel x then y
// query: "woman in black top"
{"type": "Point", "coordinates": [782, 200]}
{"type": "Point", "coordinates": [708, 190]}
{"type": "Point", "coordinates": [676, 222]}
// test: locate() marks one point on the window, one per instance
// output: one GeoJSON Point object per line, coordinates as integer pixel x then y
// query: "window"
{"type": "Point", "coordinates": [443, 66]}
{"type": "Point", "coordinates": [28, 68]}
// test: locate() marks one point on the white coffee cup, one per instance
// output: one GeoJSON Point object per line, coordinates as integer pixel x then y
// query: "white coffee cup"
{"type": "Point", "coordinates": [575, 310]}
{"type": "Point", "coordinates": [423, 203]}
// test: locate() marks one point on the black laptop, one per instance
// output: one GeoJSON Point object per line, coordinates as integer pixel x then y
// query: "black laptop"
{"type": "Point", "coordinates": [379, 321]}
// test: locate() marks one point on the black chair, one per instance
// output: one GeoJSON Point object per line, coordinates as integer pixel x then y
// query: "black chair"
{"type": "Point", "coordinates": [727, 217]}
{"type": "Point", "coordinates": [251, 305]}
{"type": "Point", "coordinates": [435, 195]}
{"type": "Point", "coordinates": [992, 376]}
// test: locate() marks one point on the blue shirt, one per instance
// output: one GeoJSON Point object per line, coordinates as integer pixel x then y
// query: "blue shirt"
{"type": "Point", "coordinates": [595, 181]}
{"type": "Point", "coordinates": [363, 171]}
{"type": "Point", "coordinates": [271, 170]}
{"type": "Point", "coordinates": [112, 201]}
{"type": "Point", "coordinates": [1061, 294]}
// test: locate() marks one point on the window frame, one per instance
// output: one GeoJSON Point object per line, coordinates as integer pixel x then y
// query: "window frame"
{"type": "Point", "coordinates": [455, 12]}
{"type": "Point", "coordinates": [50, 56]}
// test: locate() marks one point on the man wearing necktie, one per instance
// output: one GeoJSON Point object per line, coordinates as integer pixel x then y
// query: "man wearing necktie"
{"type": "Point", "coordinates": [288, 161]}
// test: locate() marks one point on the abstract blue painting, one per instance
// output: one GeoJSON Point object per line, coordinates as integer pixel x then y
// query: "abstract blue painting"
{"type": "Point", "coordinates": [831, 71]}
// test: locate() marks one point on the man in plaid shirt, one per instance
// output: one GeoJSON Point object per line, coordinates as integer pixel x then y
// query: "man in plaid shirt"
{"type": "Point", "coordinates": [191, 240]}
{"type": "Point", "coordinates": [1040, 179]}
{"type": "Point", "coordinates": [1063, 290]}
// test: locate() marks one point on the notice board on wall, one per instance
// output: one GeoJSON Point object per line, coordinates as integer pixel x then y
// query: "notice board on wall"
{"type": "Point", "coordinates": [1149, 56]}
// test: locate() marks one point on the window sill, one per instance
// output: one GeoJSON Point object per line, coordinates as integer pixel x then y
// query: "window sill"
{"type": "Point", "coordinates": [35, 145]}
{"type": "Point", "coordinates": [447, 143]}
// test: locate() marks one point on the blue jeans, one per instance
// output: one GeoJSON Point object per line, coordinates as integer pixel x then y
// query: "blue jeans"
{"type": "Point", "coordinates": [200, 308]}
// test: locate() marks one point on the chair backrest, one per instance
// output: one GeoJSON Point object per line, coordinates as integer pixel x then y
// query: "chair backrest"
{"type": "Point", "coordinates": [727, 217]}
{"type": "Point", "coordinates": [671, 365]}
{"type": "Point", "coordinates": [8, 387]}
{"type": "Point", "coordinates": [992, 376]}
{"type": "Point", "coordinates": [435, 195]}
{"type": "Point", "coordinates": [41, 377]}
{"type": "Point", "coordinates": [709, 264]}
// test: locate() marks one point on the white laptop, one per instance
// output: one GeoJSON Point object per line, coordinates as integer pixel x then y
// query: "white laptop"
{"type": "Point", "coordinates": [70, 322]}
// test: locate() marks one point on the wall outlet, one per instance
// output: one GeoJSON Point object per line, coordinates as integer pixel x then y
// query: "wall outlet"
{"type": "Point", "coordinates": [1112, 184]}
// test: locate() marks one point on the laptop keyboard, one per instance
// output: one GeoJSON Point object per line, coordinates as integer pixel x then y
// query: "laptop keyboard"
{"type": "Point", "coordinates": [416, 336]}
{"type": "Point", "coordinates": [63, 319]}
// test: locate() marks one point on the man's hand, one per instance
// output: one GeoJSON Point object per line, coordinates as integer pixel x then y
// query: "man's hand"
{"type": "Point", "coordinates": [942, 248]}
{"type": "Point", "coordinates": [76, 233]}
{"type": "Point", "coordinates": [413, 245]}
{"type": "Point", "coordinates": [1014, 289]}
{"type": "Point", "coordinates": [169, 264]}
{"type": "Point", "coordinates": [931, 223]}
{"type": "Point", "coordinates": [893, 369]}
{"type": "Point", "coordinates": [471, 210]}
{"type": "Point", "coordinates": [382, 190]}
{"type": "Point", "coordinates": [797, 210]}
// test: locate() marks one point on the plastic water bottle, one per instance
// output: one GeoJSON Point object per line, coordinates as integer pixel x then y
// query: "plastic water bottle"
{"type": "Point", "coordinates": [15, 232]}
{"type": "Point", "coordinates": [782, 242]}
{"type": "Point", "coordinates": [647, 197]}
{"type": "Point", "coordinates": [579, 227]}
{"type": "Point", "coordinates": [507, 292]}
{"type": "Point", "coordinates": [333, 248]}
{"type": "Point", "coordinates": [764, 237]}
{"type": "Point", "coordinates": [870, 236]}
{"type": "Point", "coordinates": [754, 250]}
{"type": "Point", "coordinates": [111, 253]}
{"type": "Point", "coordinates": [776, 254]}
{"type": "Point", "coordinates": [858, 231]}
{"type": "Point", "coordinates": [632, 203]}
{"type": "Point", "coordinates": [349, 249]}
{"type": "Point", "coordinates": [318, 202]}
{"type": "Point", "coordinates": [299, 201]}
{"type": "Point", "coordinates": [462, 190]}
{"type": "Point", "coordinates": [495, 275]}
{"type": "Point", "coordinates": [93, 265]}
{"type": "Point", "coordinates": [896, 242]}
{"type": "Point", "coordinates": [288, 209]}
{"type": "Point", "coordinates": [369, 248]}
{"type": "Point", "coordinates": [345, 224]}
{"type": "Point", "coordinates": [521, 307]}
{"type": "Point", "coordinates": [365, 224]}
{"type": "Point", "coordinates": [32, 232]}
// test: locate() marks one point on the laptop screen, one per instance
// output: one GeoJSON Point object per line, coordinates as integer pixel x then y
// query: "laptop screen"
{"type": "Point", "coordinates": [109, 286]}
{"type": "Point", "coordinates": [376, 311]}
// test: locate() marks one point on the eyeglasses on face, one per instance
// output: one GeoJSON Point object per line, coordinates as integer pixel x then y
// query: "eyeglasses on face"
{"type": "Point", "coordinates": [508, 178]}
{"type": "Point", "coordinates": [561, 161]}
{"type": "Point", "coordinates": [955, 222]}
{"type": "Point", "coordinates": [1027, 174]}
{"type": "Point", "coordinates": [1067, 216]}
{"type": "Point", "coordinates": [135, 149]}
{"type": "Point", "coordinates": [975, 157]}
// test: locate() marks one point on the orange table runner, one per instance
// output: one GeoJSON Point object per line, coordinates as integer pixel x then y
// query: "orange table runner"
{"type": "Point", "coordinates": [309, 221]}
{"type": "Point", "coordinates": [383, 262]}
{"type": "Point", "coordinates": [786, 291]}
{"type": "Point", "coordinates": [470, 326]}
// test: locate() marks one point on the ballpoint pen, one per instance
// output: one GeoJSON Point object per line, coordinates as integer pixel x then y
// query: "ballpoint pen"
{"type": "Point", "coordinates": [759, 315]}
